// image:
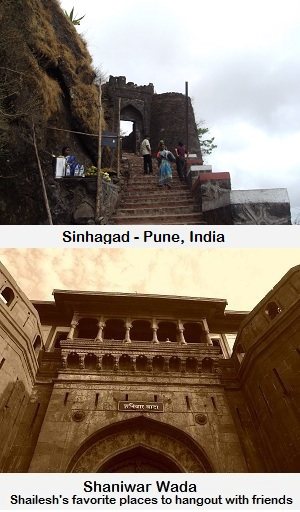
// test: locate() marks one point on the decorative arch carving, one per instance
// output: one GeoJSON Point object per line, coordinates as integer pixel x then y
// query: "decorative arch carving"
{"type": "Point", "coordinates": [124, 436]}
{"type": "Point", "coordinates": [140, 460]}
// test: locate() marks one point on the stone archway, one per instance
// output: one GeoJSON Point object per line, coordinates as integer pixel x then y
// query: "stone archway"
{"type": "Point", "coordinates": [133, 140]}
{"type": "Point", "coordinates": [139, 460]}
{"type": "Point", "coordinates": [142, 443]}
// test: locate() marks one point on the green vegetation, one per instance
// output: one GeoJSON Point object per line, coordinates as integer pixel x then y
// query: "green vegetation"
{"type": "Point", "coordinates": [93, 171]}
{"type": "Point", "coordinates": [207, 144]}
{"type": "Point", "coordinates": [72, 17]}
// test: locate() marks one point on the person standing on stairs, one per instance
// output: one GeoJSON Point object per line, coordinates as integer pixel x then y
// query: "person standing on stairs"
{"type": "Point", "coordinates": [146, 154]}
{"type": "Point", "coordinates": [164, 157]}
{"type": "Point", "coordinates": [180, 160]}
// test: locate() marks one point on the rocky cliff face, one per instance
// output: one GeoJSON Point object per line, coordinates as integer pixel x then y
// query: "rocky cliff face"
{"type": "Point", "coordinates": [46, 80]}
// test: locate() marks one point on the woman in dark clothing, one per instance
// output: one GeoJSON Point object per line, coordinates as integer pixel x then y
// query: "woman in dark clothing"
{"type": "Point", "coordinates": [180, 160]}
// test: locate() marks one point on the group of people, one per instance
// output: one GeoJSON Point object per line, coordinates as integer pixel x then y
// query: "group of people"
{"type": "Point", "coordinates": [164, 160]}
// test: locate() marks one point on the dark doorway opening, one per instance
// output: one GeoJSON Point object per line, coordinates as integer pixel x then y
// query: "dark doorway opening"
{"type": "Point", "coordinates": [131, 122]}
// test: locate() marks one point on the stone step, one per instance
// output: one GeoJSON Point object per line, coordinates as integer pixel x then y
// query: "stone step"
{"type": "Point", "coordinates": [154, 183]}
{"type": "Point", "coordinates": [138, 174]}
{"type": "Point", "coordinates": [155, 210]}
{"type": "Point", "coordinates": [156, 195]}
{"type": "Point", "coordinates": [165, 192]}
{"type": "Point", "coordinates": [157, 202]}
{"type": "Point", "coordinates": [144, 202]}
{"type": "Point", "coordinates": [183, 219]}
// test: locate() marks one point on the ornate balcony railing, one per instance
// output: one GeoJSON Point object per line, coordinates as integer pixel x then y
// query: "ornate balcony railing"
{"type": "Point", "coordinates": [114, 355]}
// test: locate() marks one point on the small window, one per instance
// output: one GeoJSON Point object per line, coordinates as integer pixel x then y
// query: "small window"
{"type": "Point", "coordinates": [240, 352]}
{"type": "Point", "coordinates": [207, 365]}
{"type": "Point", "coordinates": [60, 336]}
{"type": "Point", "coordinates": [216, 343]}
{"type": "Point", "coordinates": [213, 401]}
{"type": "Point", "coordinates": [7, 296]}
{"type": "Point", "coordinates": [272, 310]}
{"type": "Point", "coordinates": [37, 345]}
{"type": "Point", "coordinates": [187, 401]}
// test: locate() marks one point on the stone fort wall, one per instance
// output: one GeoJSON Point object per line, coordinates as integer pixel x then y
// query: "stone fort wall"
{"type": "Point", "coordinates": [162, 116]}
{"type": "Point", "coordinates": [267, 352]}
{"type": "Point", "coordinates": [20, 345]}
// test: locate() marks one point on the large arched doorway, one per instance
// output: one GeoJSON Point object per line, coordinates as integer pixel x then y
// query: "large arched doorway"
{"type": "Point", "coordinates": [139, 460]}
{"type": "Point", "coordinates": [131, 141]}
{"type": "Point", "coordinates": [140, 444]}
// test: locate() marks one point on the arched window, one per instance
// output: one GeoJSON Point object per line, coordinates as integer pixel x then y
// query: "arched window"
{"type": "Point", "coordinates": [216, 343]}
{"type": "Point", "coordinates": [193, 332]}
{"type": "Point", "coordinates": [125, 363]}
{"type": "Point", "coordinates": [207, 365]}
{"type": "Point", "coordinates": [167, 331]}
{"type": "Point", "coordinates": [108, 362]}
{"type": "Point", "coordinates": [240, 352]}
{"type": "Point", "coordinates": [7, 296]}
{"type": "Point", "coordinates": [114, 329]}
{"type": "Point", "coordinates": [37, 345]}
{"type": "Point", "coordinates": [174, 364]}
{"type": "Point", "coordinates": [191, 364]}
{"type": "Point", "coordinates": [60, 336]}
{"type": "Point", "coordinates": [87, 328]}
{"type": "Point", "coordinates": [272, 310]}
{"type": "Point", "coordinates": [158, 363]}
{"type": "Point", "coordinates": [90, 362]}
{"type": "Point", "coordinates": [73, 360]}
{"type": "Point", "coordinates": [141, 331]}
{"type": "Point", "coordinates": [141, 363]}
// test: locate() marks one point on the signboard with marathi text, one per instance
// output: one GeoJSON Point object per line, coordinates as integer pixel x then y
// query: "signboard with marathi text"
{"type": "Point", "coordinates": [141, 406]}
{"type": "Point", "coordinates": [109, 139]}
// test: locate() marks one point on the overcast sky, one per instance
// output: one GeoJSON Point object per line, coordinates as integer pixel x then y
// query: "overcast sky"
{"type": "Point", "coordinates": [242, 62]}
{"type": "Point", "coordinates": [242, 276]}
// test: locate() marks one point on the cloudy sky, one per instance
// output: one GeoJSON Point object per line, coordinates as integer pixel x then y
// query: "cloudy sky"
{"type": "Point", "coordinates": [242, 62]}
{"type": "Point", "coordinates": [242, 276]}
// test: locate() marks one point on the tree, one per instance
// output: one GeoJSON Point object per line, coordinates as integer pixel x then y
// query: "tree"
{"type": "Point", "coordinates": [71, 16]}
{"type": "Point", "coordinates": [207, 144]}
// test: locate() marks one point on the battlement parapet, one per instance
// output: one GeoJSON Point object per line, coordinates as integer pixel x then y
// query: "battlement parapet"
{"type": "Point", "coordinates": [120, 82]}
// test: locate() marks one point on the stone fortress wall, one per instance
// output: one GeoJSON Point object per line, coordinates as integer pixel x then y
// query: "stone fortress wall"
{"type": "Point", "coordinates": [162, 116]}
{"type": "Point", "coordinates": [267, 352]}
{"type": "Point", "coordinates": [20, 344]}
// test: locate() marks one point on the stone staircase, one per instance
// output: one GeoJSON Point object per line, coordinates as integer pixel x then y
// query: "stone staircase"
{"type": "Point", "coordinates": [143, 202]}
